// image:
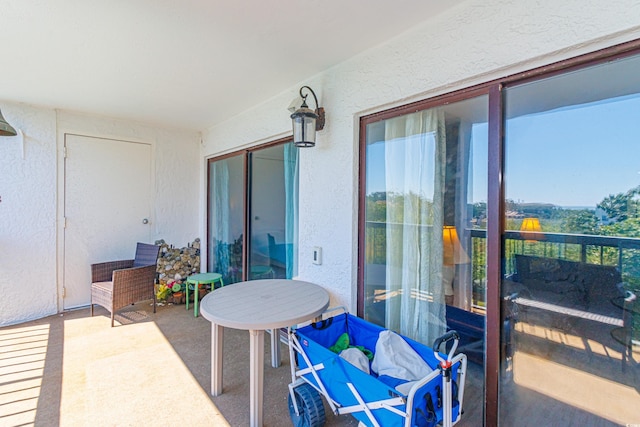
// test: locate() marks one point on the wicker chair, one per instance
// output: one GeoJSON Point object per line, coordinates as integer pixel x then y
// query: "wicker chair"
{"type": "Point", "coordinates": [117, 284]}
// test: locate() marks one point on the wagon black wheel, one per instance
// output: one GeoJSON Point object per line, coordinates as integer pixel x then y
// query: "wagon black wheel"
{"type": "Point", "coordinates": [310, 407]}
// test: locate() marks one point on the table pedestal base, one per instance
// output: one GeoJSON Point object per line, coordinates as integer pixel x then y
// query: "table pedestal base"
{"type": "Point", "coordinates": [256, 370]}
{"type": "Point", "coordinates": [216, 359]}
{"type": "Point", "coordinates": [275, 347]}
{"type": "Point", "coordinates": [256, 376]}
{"type": "Point", "coordinates": [256, 306]}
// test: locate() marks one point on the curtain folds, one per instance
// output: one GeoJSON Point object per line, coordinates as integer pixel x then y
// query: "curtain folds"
{"type": "Point", "coordinates": [415, 154]}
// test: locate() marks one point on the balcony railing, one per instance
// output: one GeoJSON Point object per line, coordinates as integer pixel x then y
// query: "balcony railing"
{"type": "Point", "coordinates": [622, 252]}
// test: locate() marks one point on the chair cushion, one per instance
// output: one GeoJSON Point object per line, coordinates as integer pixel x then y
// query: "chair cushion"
{"type": "Point", "coordinates": [106, 286]}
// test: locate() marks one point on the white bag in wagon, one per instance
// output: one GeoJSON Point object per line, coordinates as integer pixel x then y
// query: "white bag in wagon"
{"type": "Point", "coordinates": [395, 358]}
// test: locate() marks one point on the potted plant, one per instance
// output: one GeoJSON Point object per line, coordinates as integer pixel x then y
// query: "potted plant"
{"type": "Point", "coordinates": [177, 291]}
{"type": "Point", "coordinates": [171, 291]}
{"type": "Point", "coordinates": [162, 292]}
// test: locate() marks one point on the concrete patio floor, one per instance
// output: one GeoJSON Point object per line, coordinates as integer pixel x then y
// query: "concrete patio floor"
{"type": "Point", "coordinates": [150, 369]}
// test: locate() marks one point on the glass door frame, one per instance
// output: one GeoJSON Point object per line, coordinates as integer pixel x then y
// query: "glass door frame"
{"type": "Point", "coordinates": [246, 153]}
{"type": "Point", "coordinates": [495, 195]}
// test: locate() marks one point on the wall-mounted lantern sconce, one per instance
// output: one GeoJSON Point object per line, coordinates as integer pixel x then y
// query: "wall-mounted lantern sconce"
{"type": "Point", "coordinates": [5, 128]}
{"type": "Point", "coordinates": [307, 121]}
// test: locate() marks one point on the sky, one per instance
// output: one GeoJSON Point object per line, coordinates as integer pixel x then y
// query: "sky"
{"type": "Point", "coordinates": [571, 157]}
{"type": "Point", "coordinates": [576, 156]}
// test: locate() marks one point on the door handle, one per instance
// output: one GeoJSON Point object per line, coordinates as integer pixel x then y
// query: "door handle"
{"type": "Point", "coordinates": [145, 221]}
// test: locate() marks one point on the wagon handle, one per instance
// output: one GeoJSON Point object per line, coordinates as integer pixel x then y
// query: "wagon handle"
{"type": "Point", "coordinates": [451, 335]}
{"type": "Point", "coordinates": [322, 323]}
{"type": "Point", "coordinates": [445, 369]}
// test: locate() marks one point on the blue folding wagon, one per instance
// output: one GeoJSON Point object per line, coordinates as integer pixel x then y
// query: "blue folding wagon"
{"type": "Point", "coordinates": [435, 399]}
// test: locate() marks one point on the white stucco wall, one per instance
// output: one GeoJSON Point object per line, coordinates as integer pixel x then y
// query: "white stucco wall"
{"type": "Point", "coordinates": [472, 43]}
{"type": "Point", "coordinates": [28, 215]}
{"type": "Point", "coordinates": [31, 192]}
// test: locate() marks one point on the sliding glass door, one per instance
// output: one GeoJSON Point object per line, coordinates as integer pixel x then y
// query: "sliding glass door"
{"type": "Point", "coordinates": [253, 214]}
{"type": "Point", "coordinates": [425, 210]}
{"type": "Point", "coordinates": [226, 217]}
{"type": "Point", "coordinates": [423, 248]}
{"type": "Point", "coordinates": [274, 212]}
{"type": "Point", "coordinates": [514, 218]}
{"type": "Point", "coordinates": [571, 278]}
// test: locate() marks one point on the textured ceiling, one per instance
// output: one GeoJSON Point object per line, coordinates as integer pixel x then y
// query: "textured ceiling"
{"type": "Point", "coordinates": [187, 64]}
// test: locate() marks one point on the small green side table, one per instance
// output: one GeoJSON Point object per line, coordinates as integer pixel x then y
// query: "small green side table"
{"type": "Point", "coordinates": [200, 279]}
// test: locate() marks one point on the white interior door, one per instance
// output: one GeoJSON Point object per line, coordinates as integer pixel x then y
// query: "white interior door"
{"type": "Point", "coordinates": [107, 205]}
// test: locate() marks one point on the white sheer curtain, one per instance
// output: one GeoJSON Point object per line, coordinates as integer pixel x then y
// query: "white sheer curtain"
{"type": "Point", "coordinates": [415, 146]}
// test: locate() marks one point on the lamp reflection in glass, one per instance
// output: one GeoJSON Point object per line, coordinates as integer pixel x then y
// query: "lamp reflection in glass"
{"type": "Point", "coordinates": [306, 121]}
{"type": "Point", "coordinates": [452, 254]}
{"type": "Point", "coordinates": [530, 226]}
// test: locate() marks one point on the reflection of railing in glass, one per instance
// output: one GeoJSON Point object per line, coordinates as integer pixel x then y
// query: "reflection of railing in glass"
{"type": "Point", "coordinates": [622, 252]}
{"type": "Point", "coordinates": [454, 253]}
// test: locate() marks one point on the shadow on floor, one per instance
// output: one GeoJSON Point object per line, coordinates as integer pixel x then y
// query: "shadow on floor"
{"type": "Point", "coordinates": [75, 370]}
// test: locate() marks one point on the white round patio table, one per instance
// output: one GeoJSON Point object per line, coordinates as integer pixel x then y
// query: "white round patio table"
{"type": "Point", "coordinates": [258, 305]}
